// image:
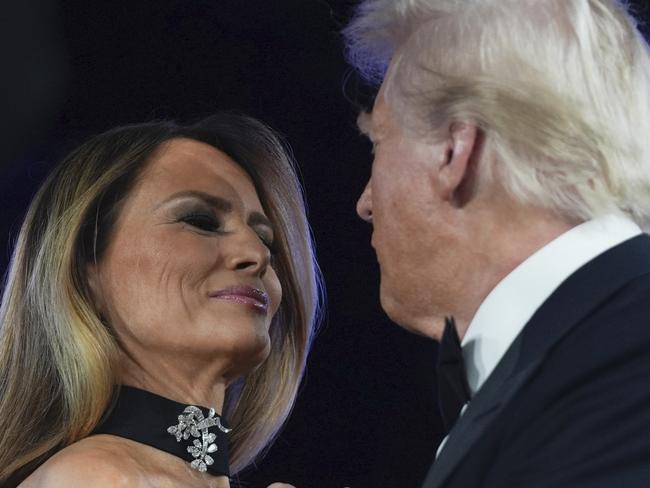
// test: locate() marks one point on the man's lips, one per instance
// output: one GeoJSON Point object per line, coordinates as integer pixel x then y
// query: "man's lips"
{"type": "Point", "coordinates": [246, 295]}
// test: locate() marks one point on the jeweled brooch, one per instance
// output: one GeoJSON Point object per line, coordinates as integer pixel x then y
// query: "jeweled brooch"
{"type": "Point", "coordinates": [192, 423]}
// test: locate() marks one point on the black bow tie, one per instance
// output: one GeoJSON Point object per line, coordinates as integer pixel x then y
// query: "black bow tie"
{"type": "Point", "coordinates": [453, 390]}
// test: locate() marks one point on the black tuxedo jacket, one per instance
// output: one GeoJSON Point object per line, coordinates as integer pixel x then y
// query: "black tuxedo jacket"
{"type": "Point", "coordinates": [569, 403]}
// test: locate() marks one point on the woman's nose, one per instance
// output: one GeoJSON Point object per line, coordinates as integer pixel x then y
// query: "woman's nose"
{"type": "Point", "coordinates": [248, 253]}
{"type": "Point", "coordinates": [364, 204]}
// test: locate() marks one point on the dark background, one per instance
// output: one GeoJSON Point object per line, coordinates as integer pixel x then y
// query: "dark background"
{"type": "Point", "coordinates": [366, 415]}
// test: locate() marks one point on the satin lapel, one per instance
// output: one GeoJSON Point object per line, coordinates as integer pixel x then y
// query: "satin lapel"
{"type": "Point", "coordinates": [567, 306]}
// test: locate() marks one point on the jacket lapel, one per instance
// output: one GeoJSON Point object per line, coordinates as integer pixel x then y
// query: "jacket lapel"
{"type": "Point", "coordinates": [566, 307]}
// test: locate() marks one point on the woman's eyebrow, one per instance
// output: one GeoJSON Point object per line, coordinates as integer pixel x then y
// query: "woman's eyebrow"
{"type": "Point", "coordinates": [214, 201]}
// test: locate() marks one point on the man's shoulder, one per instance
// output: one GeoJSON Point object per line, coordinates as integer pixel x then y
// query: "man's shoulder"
{"type": "Point", "coordinates": [602, 303]}
{"type": "Point", "coordinates": [612, 337]}
{"type": "Point", "coordinates": [625, 313]}
{"type": "Point", "coordinates": [89, 462]}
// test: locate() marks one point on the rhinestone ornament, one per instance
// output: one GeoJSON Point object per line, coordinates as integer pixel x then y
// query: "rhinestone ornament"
{"type": "Point", "coordinates": [192, 423]}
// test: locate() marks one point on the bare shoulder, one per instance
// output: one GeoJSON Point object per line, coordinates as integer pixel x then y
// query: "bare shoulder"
{"type": "Point", "coordinates": [96, 461]}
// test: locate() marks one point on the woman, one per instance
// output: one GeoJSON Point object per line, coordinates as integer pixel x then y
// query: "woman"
{"type": "Point", "coordinates": [161, 271]}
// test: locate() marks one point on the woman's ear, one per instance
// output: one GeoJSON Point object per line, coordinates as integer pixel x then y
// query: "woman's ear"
{"type": "Point", "coordinates": [458, 171]}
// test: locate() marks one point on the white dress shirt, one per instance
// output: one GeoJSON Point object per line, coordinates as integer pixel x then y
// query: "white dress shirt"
{"type": "Point", "coordinates": [511, 304]}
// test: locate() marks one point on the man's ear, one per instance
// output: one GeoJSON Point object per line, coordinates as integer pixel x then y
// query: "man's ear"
{"type": "Point", "coordinates": [457, 175]}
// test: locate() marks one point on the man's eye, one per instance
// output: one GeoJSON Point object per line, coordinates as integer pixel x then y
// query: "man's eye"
{"type": "Point", "coordinates": [202, 221]}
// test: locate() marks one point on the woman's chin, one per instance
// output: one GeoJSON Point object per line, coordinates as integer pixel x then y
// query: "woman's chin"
{"type": "Point", "coordinates": [247, 356]}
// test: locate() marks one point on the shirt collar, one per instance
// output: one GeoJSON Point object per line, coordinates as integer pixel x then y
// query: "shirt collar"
{"type": "Point", "coordinates": [511, 304]}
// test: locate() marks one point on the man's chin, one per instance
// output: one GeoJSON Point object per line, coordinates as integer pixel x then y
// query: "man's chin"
{"type": "Point", "coordinates": [398, 313]}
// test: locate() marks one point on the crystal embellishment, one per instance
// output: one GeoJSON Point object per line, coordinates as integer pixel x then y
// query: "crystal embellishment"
{"type": "Point", "coordinates": [192, 423]}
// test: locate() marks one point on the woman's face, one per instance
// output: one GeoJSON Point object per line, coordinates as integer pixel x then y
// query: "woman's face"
{"type": "Point", "coordinates": [187, 273]}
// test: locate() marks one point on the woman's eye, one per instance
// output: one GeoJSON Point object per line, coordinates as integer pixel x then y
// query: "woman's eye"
{"type": "Point", "coordinates": [202, 221]}
{"type": "Point", "coordinates": [268, 242]}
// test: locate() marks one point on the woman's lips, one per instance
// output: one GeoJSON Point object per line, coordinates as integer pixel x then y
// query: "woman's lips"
{"type": "Point", "coordinates": [246, 295]}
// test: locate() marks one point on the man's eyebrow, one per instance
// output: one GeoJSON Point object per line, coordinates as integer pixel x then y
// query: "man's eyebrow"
{"type": "Point", "coordinates": [364, 123]}
{"type": "Point", "coordinates": [372, 127]}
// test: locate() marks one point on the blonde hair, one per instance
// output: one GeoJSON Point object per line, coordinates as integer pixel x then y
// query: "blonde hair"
{"type": "Point", "coordinates": [57, 359]}
{"type": "Point", "coordinates": [560, 88]}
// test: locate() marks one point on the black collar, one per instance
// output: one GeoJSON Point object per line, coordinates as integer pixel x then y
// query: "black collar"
{"type": "Point", "coordinates": [195, 434]}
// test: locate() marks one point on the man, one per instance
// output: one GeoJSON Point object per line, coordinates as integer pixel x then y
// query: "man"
{"type": "Point", "coordinates": [510, 177]}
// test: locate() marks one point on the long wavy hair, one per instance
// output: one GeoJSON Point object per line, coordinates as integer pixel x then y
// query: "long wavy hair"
{"type": "Point", "coordinates": [57, 358]}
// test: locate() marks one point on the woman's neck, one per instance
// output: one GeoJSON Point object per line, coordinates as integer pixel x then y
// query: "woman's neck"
{"type": "Point", "coordinates": [202, 388]}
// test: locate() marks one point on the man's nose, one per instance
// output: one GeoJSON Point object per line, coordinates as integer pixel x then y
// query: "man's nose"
{"type": "Point", "coordinates": [364, 205]}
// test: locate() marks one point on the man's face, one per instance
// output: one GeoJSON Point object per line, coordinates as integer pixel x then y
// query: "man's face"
{"type": "Point", "coordinates": [413, 230]}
